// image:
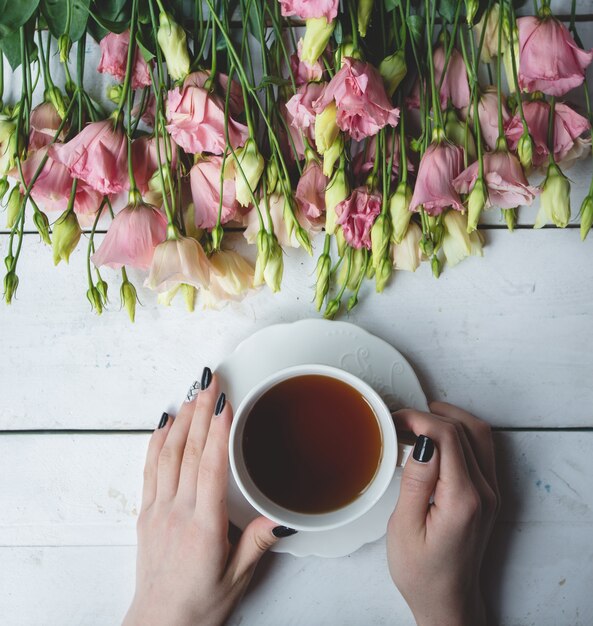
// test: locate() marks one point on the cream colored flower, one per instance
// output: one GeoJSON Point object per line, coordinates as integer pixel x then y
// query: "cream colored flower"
{"type": "Point", "coordinates": [407, 255]}
{"type": "Point", "coordinates": [457, 242]}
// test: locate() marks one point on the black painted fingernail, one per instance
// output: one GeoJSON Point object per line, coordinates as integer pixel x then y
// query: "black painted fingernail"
{"type": "Point", "coordinates": [164, 420]}
{"type": "Point", "coordinates": [283, 531]}
{"type": "Point", "coordinates": [206, 378]}
{"type": "Point", "coordinates": [220, 404]}
{"type": "Point", "coordinates": [424, 449]}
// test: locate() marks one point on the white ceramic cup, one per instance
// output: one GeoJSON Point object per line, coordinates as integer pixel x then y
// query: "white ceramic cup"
{"type": "Point", "coordinates": [392, 454]}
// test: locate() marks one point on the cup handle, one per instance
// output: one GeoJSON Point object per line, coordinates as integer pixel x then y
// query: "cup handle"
{"type": "Point", "coordinates": [403, 452]}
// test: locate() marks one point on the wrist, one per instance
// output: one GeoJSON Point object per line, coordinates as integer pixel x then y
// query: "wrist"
{"type": "Point", "coordinates": [470, 612]}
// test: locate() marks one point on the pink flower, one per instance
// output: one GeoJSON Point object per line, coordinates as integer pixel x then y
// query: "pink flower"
{"type": "Point", "coordinates": [310, 191]}
{"type": "Point", "coordinates": [441, 163]}
{"type": "Point", "coordinates": [236, 103]}
{"type": "Point", "coordinates": [132, 238]}
{"type": "Point", "coordinates": [488, 116]}
{"type": "Point", "coordinates": [306, 9]}
{"type": "Point", "coordinates": [362, 103]}
{"type": "Point", "coordinates": [505, 181]}
{"type": "Point", "coordinates": [294, 142]}
{"type": "Point", "coordinates": [301, 113]}
{"type": "Point", "coordinates": [357, 215]}
{"type": "Point", "coordinates": [568, 126]}
{"type": "Point", "coordinates": [114, 58]}
{"type": "Point", "coordinates": [301, 70]}
{"type": "Point", "coordinates": [197, 121]}
{"type": "Point", "coordinates": [363, 162]}
{"type": "Point", "coordinates": [149, 112]}
{"type": "Point", "coordinates": [145, 159]}
{"type": "Point", "coordinates": [53, 186]}
{"type": "Point", "coordinates": [205, 189]}
{"type": "Point", "coordinates": [550, 60]}
{"type": "Point", "coordinates": [44, 123]}
{"type": "Point", "coordinates": [455, 85]}
{"type": "Point", "coordinates": [97, 155]}
{"type": "Point", "coordinates": [178, 261]}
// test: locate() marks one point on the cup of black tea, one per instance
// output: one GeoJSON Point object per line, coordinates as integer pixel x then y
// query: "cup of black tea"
{"type": "Point", "coordinates": [313, 447]}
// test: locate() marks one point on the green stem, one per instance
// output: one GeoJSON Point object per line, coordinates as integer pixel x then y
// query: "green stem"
{"type": "Point", "coordinates": [501, 136]}
{"type": "Point", "coordinates": [551, 121]}
{"type": "Point", "coordinates": [514, 66]}
{"type": "Point", "coordinates": [130, 59]}
{"type": "Point", "coordinates": [436, 104]}
{"type": "Point", "coordinates": [449, 50]}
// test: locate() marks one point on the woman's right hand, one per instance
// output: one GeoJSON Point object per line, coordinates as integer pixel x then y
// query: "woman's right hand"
{"type": "Point", "coordinates": [435, 550]}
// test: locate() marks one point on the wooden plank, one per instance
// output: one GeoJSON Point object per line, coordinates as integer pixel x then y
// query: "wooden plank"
{"type": "Point", "coordinates": [84, 489]}
{"type": "Point", "coordinates": [507, 336]}
{"type": "Point", "coordinates": [536, 575]}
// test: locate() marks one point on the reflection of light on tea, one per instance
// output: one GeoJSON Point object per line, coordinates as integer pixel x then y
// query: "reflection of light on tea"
{"type": "Point", "coordinates": [312, 444]}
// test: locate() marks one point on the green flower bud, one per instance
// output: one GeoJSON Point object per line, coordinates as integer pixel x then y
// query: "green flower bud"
{"type": "Point", "coordinates": [11, 283]}
{"type": "Point", "coordinates": [317, 34]}
{"type": "Point", "coordinates": [475, 204]}
{"type": "Point", "coordinates": [251, 163]}
{"type": "Point", "coordinates": [128, 297]}
{"type": "Point", "coordinates": [303, 239]}
{"type": "Point", "coordinates": [399, 209]}
{"type": "Point", "coordinates": [42, 224]}
{"type": "Point", "coordinates": [94, 297]}
{"type": "Point", "coordinates": [554, 199]}
{"type": "Point", "coordinates": [331, 155]}
{"type": "Point", "coordinates": [114, 93]}
{"type": "Point", "coordinates": [346, 49]}
{"type": "Point", "coordinates": [326, 128]}
{"type": "Point", "coordinates": [380, 238]}
{"type": "Point", "coordinates": [64, 46]}
{"type": "Point", "coordinates": [426, 246]}
{"type": "Point", "coordinates": [8, 144]}
{"type": "Point", "coordinates": [189, 295]}
{"type": "Point", "coordinates": [435, 266]}
{"type": "Point", "coordinates": [217, 235]}
{"type": "Point", "coordinates": [55, 96]}
{"type": "Point", "coordinates": [352, 302]}
{"type": "Point", "coordinates": [275, 265]}
{"type": "Point", "coordinates": [323, 272]}
{"type": "Point", "coordinates": [333, 306]}
{"type": "Point", "coordinates": [67, 234]}
{"type": "Point", "coordinates": [358, 267]}
{"type": "Point", "coordinates": [471, 8]}
{"type": "Point", "coordinates": [8, 261]}
{"type": "Point", "coordinates": [383, 273]}
{"type": "Point", "coordinates": [13, 207]}
{"type": "Point", "coordinates": [365, 8]}
{"type": "Point", "coordinates": [102, 289]}
{"type": "Point", "coordinates": [336, 191]}
{"type": "Point", "coordinates": [586, 216]}
{"type": "Point", "coordinates": [272, 177]}
{"type": "Point", "coordinates": [340, 240]}
{"type": "Point", "coordinates": [173, 43]}
{"type": "Point", "coordinates": [510, 217]}
{"type": "Point", "coordinates": [459, 132]}
{"type": "Point", "coordinates": [263, 253]}
{"type": "Point", "coordinates": [4, 185]}
{"type": "Point", "coordinates": [525, 150]}
{"type": "Point", "coordinates": [393, 69]}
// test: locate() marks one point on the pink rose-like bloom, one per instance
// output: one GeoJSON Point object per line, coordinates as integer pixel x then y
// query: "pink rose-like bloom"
{"type": "Point", "coordinates": [549, 58]}
{"type": "Point", "coordinates": [568, 126]}
{"type": "Point", "coordinates": [306, 9]}
{"type": "Point", "coordinates": [455, 84]}
{"type": "Point", "coordinates": [505, 180]}
{"type": "Point", "coordinates": [301, 70]}
{"type": "Point", "coordinates": [357, 214]}
{"type": "Point", "coordinates": [196, 119]}
{"type": "Point", "coordinates": [44, 123]}
{"type": "Point", "coordinates": [132, 238]}
{"type": "Point", "coordinates": [205, 188]}
{"type": "Point", "coordinates": [300, 107]}
{"type": "Point", "coordinates": [310, 191]}
{"type": "Point", "coordinates": [97, 155]}
{"type": "Point", "coordinates": [362, 103]}
{"type": "Point", "coordinates": [114, 58]}
{"type": "Point", "coordinates": [53, 186]}
{"type": "Point", "coordinates": [488, 117]}
{"type": "Point", "coordinates": [440, 165]}
{"type": "Point", "coordinates": [145, 160]}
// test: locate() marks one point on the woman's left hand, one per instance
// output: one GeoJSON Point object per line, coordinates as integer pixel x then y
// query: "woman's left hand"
{"type": "Point", "coordinates": [187, 571]}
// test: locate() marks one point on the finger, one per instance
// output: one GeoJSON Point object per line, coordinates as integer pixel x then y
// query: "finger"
{"type": "Point", "coordinates": [203, 409]}
{"type": "Point", "coordinates": [419, 480]}
{"type": "Point", "coordinates": [453, 472]}
{"type": "Point", "coordinates": [255, 541]}
{"type": "Point", "coordinates": [152, 457]}
{"type": "Point", "coordinates": [171, 453]}
{"type": "Point", "coordinates": [211, 491]}
{"type": "Point", "coordinates": [479, 434]}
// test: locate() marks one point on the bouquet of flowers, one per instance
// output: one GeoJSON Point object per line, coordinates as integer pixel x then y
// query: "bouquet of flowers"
{"type": "Point", "coordinates": [377, 130]}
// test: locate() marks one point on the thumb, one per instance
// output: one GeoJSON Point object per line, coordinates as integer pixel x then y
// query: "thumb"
{"type": "Point", "coordinates": [418, 483]}
{"type": "Point", "coordinates": [256, 539]}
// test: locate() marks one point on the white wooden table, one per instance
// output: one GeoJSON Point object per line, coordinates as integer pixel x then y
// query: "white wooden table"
{"type": "Point", "coordinates": [508, 337]}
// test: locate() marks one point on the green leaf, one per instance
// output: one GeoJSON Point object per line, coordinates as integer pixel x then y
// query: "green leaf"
{"type": "Point", "coordinates": [338, 33]}
{"type": "Point", "coordinates": [447, 8]}
{"type": "Point", "coordinates": [11, 47]}
{"type": "Point", "coordinates": [55, 13]}
{"type": "Point", "coordinates": [144, 50]}
{"type": "Point", "coordinates": [416, 27]}
{"type": "Point", "coordinates": [14, 13]}
{"type": "Point", "coordinates": [391, 4]}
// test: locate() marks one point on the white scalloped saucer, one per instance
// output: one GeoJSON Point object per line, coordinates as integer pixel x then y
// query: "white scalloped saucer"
{"type": "Point", "coordinates": [338, 344]}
